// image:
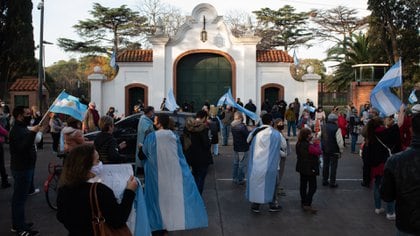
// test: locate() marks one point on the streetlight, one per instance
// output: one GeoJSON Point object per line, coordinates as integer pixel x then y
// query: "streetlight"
{"type": "Point", "coordinates": [40, 61]}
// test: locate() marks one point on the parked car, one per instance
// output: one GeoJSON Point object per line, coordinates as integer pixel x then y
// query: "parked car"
{"type": "Point", "coordinates": [126, 130]}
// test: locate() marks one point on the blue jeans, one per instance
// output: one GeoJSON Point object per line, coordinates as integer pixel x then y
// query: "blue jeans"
{"type": "Point", "coordinates": [291, 125]}
{"type": "Point", "coordinates": [199, 173]}
{"type": "Point", "coordinates": [377, 197]}
{"type": "Point", "coordinates": [22, 183]}
{"type": "Point", "coordinates": [240, 160]}
{"type": "Point", "coordinates": [353, 141]}
{"type": "Point", "coordinates": [215, 149]}
{"type": "Point", "coordinates": [225, 134]}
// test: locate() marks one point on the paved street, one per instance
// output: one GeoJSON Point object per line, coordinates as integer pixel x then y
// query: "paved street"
{"type": "Point", "coordinates": [347, 210]}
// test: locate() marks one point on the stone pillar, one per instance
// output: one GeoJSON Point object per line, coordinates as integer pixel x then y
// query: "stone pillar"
{"type": "Point", "coordinates": [311, 85]}
{"type": "Point", "coordinates": [96, 79]}
{"type": "Point", "coordinates": [161, 83]}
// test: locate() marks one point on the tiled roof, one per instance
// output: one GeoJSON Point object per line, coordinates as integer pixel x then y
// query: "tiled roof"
{"type": "Point", "coordinates": [273, 56]}
{"type": "Point", "coordinates": [137, 55]}
{"type": "Point", "coordinates": [140, 55]}
{"type": "Point", "coordinates": [26, 83]}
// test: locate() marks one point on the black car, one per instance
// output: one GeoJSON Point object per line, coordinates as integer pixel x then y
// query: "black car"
{"type": "Point", "coordinates": [126, 130]}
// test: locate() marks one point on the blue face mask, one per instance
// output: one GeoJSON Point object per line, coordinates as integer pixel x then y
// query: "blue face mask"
{"type": "Point", "coordinates": [97, 169]}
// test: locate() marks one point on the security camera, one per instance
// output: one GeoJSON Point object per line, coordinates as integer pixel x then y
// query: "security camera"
{"type": "Point", "coordinates": [40, 5]}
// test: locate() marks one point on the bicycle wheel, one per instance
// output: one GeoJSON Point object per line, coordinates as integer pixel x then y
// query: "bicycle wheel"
{"type": "Point", "coordinates": [51, 188]}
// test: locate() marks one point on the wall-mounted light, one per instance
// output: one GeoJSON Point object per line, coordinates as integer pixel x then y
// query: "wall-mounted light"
{"type": "Point", "coordinates": [203, 34]}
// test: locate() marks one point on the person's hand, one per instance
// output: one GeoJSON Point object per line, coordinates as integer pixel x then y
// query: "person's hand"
{"type": "Point", "coordinates": [122, 145]}
{"type": "Point", "coordinates": [402, 107]}
{"type": "Point", "coordinates": [132, 183]}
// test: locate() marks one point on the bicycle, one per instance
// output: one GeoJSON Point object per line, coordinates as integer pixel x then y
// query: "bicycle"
{"type": "Point", "coordinates": [51, 184]}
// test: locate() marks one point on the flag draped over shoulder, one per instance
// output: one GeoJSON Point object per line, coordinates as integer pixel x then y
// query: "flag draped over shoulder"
{"type": "Point", "coordinates": [142, 222]}
{"type": "Point", "coordinates": [170, 102]}
{"type": "Point", "coordinates": [264, 157]}
{"type": "Point", "coordinates": [69, 105]}
{"type": "Point", "coordinates": [171, 194]}
{"type": "Point", "coordinates": [227, 99]}
{"type": "Point", "coordinates": [382, 97]}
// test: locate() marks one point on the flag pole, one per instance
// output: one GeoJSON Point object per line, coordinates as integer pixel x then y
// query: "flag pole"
{"type": "Point", "coordinates": [402, 84]}
{"type": "Point", "coordinates": [49, 108]}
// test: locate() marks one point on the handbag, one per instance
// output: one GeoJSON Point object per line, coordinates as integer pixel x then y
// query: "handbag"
{"type": "Point", "coordinates": [99, 225]}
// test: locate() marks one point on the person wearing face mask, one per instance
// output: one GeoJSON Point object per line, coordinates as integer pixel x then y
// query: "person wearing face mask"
{"type": "Point", "coordinates": [73, 202]}
{"type": "Point", "coordinates": [307, 165]}
{"type": "Point", "coordinates": [22, 164]}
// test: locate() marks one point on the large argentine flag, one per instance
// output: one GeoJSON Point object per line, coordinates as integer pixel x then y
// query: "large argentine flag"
{"type": "Point", "coordinates": [171, 194]}
{"type": "Point", "coordinates": [69, 105]}
{"type": "Point", "coordinates": [263, 163]}
{"type": "Point", "coordinates": [227, 99]}
{"type": "Point", "coordinates": [381, 97]}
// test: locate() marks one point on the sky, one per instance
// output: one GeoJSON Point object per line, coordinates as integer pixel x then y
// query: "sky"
{"type": "Point", "coordinates": [60, 16]}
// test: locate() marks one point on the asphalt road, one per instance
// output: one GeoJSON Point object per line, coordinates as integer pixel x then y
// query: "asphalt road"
{"type": "Point", "coordinates": [346, 210]}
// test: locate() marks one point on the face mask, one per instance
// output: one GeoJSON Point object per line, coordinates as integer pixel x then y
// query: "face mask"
{"type": "Point", "coordinates": [97, 169]}
{"type": "Point", "coordinates": [27, 120]}
{"type": "Point", "coordinates": [280, 127]}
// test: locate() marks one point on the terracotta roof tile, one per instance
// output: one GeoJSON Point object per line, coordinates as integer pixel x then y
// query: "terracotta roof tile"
{"type": "Point", "coordinates": [140, 55]}
{"type": "Point", "coordinates": [273, 56]}
{"type": "Point", "coordinates": [26, 83]}
{"type": "Point", "coordinates": [137, 55]}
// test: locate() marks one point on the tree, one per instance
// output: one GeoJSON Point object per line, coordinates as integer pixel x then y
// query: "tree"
{"type": "Point", "coordinates": [161, 15]}
{"type": "Point", "coordinates": [282, 27]}
{"type": "Point", "coordinates": [17, 48]}
{"type": "Point", "coordinates": [109, 28]}
{"type": "Point", "coordinates": [238, 22]}
{"type": "Point", "coordinates": [319, 68]}
{"type": "Point", "coordinates": [394, 26]}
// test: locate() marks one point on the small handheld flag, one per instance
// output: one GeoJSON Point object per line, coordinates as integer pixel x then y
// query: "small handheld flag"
{"type": "Point", "coordinates": [69, 105]}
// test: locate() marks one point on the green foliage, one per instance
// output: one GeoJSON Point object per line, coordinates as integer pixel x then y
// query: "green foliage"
{"type": "Point", "coordinates": [17, 56]}
{"type": "Point", "coordinates": [282, 27]}
{"type": "Point", "coordinates": [301, 69]}
{"type": "Point", "coordinates": [108, 29]}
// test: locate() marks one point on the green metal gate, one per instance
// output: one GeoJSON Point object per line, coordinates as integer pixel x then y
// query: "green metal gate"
{"type": "Point", "coordinates": [202, 77]}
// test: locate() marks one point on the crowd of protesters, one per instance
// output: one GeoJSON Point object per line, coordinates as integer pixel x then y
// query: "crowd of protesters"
{"type": "Point", "coordinates": [259, 148]}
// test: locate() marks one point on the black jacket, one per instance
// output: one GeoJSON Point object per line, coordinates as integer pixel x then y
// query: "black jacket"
{"type": "Point", "coordinates": [401, 183]}
{"type": "Point", "coordinates": [107, 148]}
{"type": "Point", "coordinates": [22, 148]}
{"type": "Point", "coordinates": [329, 141]}
{"type": "Point", "coordinates": [198, 154]}
{"type": "Point", "coordinates": [240, 134]}
{"type": "Point", "coordinates": [75, 213]}
{"type": "Point", "coordinates": [307, 164]}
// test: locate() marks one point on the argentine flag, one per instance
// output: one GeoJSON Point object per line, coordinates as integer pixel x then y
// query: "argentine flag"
{"type": "Point", "coordinates": [412, 98]}
{"type": "Point", "coordinates": [295, 58]}
{"type": "Point", "coordinates": [69, 105]}
{"type": "Point", "coordinates": [264, 154]}
{"type": "Point", "coordinates": [171, 194]}
{"type": "Point", "coordinates": [227, 99]}
{"type": "Point", "coordinates": [170, 102]}
{"type": "Point", "coordinates": [381, 96]}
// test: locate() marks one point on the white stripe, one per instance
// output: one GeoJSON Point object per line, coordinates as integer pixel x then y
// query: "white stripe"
{"type": "Point", "coordinates": [385, 103]}
{"type": "Point", "coordinates": [170, 181]}
{"type": "Point", "coordinates": [391, 74]}
{"type": "Point", "coordinates": [259, 166]}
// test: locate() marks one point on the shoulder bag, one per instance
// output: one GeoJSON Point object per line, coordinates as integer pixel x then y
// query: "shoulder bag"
{"type": "Point", "coordinates": [99, 225]}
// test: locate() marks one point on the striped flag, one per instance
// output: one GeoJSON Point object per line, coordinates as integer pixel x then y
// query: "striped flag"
{"type": "Point", "coordinates": [295, 58]}
{"type": "Point", "coordinates": [412, 98]}
{"type": "Point", "coordinates": [171, 193]}
{"type": "Point", "coordinates": [381, 96]}
{"type": "Point", "coordinates": [170, 102]}
{"type": "Point", "coordinates": [264, 157]}
{"type": "Point", "coordinates": [227, 99]}
{"type": "Point", "coordinates": [69, 105]}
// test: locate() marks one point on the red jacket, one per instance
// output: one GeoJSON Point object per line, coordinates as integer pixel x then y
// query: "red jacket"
{"type": "Point", "coordinates": [342, 124]}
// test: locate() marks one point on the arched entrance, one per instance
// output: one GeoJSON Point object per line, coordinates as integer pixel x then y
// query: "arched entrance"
{"type": "Point", "coordinates": [272, 92]}
{"type": "Point", "coordinates": [134, 93]}
{"type": "Point", "coordinates": [202, 77]}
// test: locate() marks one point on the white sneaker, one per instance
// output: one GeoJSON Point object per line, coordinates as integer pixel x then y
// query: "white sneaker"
{"type": "Point", "coordinates": [379, 211]}
{"type": "Point", "coordinates": [36, 191]}
{"type": "Point", "coordinates": [390, 216]}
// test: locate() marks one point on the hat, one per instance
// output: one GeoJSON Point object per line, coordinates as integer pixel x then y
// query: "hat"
{"type": "Point", "coordinates": [415, 109]}
{"type": "Point", "coordinates": [332, 117]}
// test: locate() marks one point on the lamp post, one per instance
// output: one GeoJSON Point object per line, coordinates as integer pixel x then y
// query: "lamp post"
{"type": "Point", "coordinates": [40, 60]}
